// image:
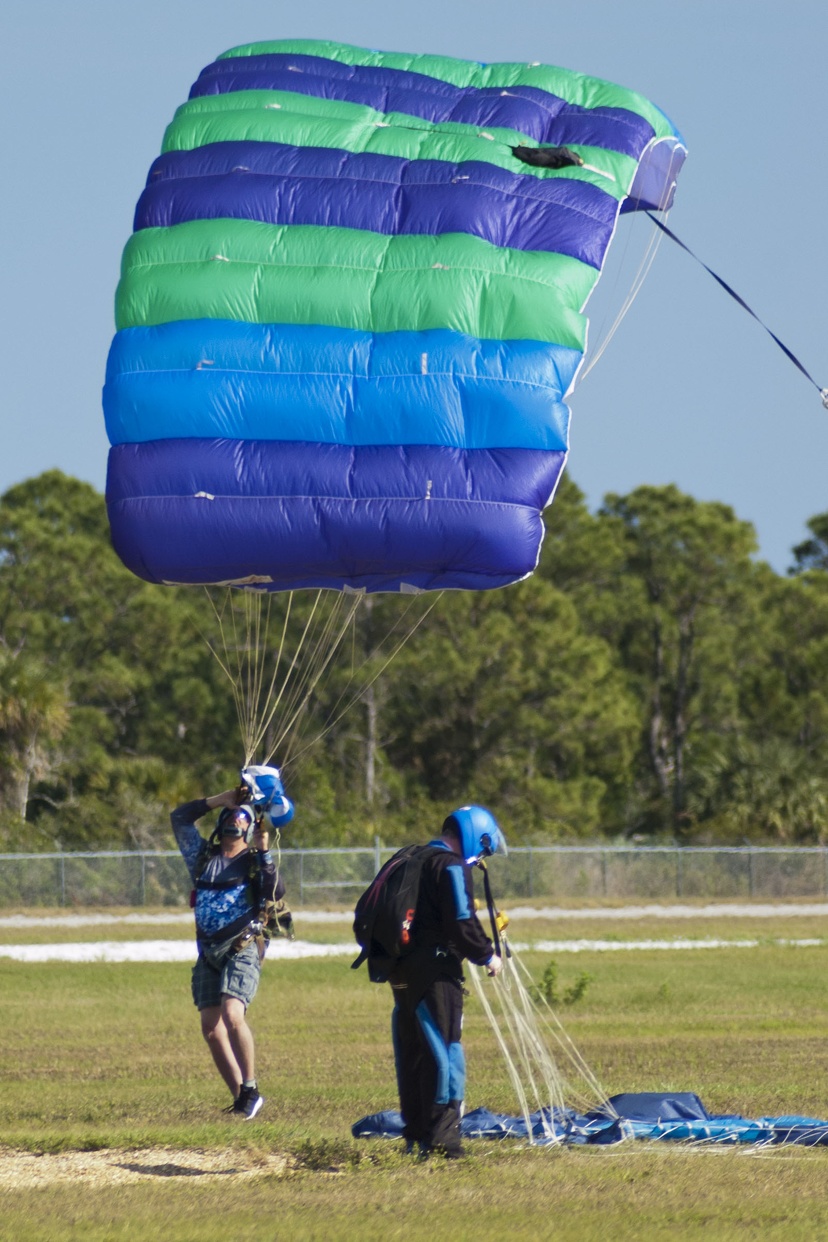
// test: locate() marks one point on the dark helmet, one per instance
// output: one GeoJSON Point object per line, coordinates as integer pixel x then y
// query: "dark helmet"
{"type": "Point", "coordinates": [236, 821]}
{"type": "Point", "coordinates": [479, 832]}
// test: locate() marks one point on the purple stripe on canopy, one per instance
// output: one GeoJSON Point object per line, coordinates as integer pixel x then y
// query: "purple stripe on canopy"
{"type": "Point", "coordinates": [281, 184]}
{"type": "Point", "coordinates": [311, 515]}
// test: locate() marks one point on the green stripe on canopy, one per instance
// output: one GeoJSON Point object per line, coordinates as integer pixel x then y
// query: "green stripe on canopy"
{"type": "Point", "coordinates": [576, 88]}
{"type": "Point", "coordinates": [349, 278]}
{"type": "Point", "coordinates": [306, 121]}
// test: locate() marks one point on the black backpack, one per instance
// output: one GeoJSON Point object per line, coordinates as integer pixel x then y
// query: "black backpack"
{"type": "Point", "coordinates": [384, 914]}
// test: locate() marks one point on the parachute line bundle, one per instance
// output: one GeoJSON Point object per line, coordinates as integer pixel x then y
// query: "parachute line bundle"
{"type": "Point", "coordinates": [526, 1032]}
{"type": "Point", "coordinates": [276, 659]}
{"type": "Point", "coordinates": [350, 315]}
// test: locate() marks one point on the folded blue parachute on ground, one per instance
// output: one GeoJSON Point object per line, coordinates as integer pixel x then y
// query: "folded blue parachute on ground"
{"type": "Point", "coordinates": [645, 1115]}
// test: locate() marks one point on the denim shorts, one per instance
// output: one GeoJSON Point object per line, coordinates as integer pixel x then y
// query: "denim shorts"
{"type": "Point", "coordinates": [238, 976]}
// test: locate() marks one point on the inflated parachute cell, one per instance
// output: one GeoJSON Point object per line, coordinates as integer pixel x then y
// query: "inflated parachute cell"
{"type": "Point", "coordinates": [350, 314]}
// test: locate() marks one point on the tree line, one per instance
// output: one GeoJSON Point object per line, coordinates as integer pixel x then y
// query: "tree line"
{"type": "Point", "coordinates": [652, 680]}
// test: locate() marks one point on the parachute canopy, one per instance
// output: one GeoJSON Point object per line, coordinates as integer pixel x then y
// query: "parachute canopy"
{"type": "Point", "coordinates": [351, 311]}
{"type": "Point", "coordinates": [677, 1117]}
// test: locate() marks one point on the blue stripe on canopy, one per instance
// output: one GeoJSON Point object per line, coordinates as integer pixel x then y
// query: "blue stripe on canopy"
{"type": "Point", "coordinates": [233, 380]}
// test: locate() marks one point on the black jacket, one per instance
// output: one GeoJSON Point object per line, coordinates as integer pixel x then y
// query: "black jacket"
{"type": "Point", "coordinates": [446, 929]}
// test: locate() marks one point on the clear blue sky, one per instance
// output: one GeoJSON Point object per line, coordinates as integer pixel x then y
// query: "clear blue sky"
{"type": "Point", "coordinates": [690, 390]}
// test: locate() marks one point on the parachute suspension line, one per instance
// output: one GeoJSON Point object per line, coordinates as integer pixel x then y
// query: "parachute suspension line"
{"type": "Point", "coordinates": [326, 645]}
{"type": "Point", "coordinates": [314, 640]}
{"type": "Point", "coordinates": [258, 667]}
{"type": "Point", "coordinates": [540, 1087]}
{"type": "Point", "coordinates": [261, 647]}
{"type": "Point", "coordinates": [523, 1031]}
{"type": "Point", "coordinates": [545, 1083]}
{"type": "Point", "coordinates": [511, 1068]}
{"type": "Point", "coordinates": [547, 1018]}
{"type": "Point", "coordinates": [225, 664]}
{"type": "Point", "coordinates": [634, 290]}
{"type": "Point", "coordinates": [336, 714]}
{"type": "Point", "coordinates": [271, 703]}
{"type": "Point", "coordinates": [252, 666]}
{"type": "Point", "coordinates": [243, 667]}
{"type": "Point", "coordinates": [266, 687]}
{"type": "Point", "coordinates": [255, 654]}
{"type": "Point", "coordinates": [353, 650]}
{"type": "Point", "coordinates": [823, 392]}
{"type": "Point", "coordinates": [605, 334]}
{"type": "Point", "coordinates": [332, 635]}
{"type": "Point", "coordinates": [638, 280]}
{"type": "Point", "coordinates": [301, 671]}
{"type": "Point", "coordinates": [243, 625]}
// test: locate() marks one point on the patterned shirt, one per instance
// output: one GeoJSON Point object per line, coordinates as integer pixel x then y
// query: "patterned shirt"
{"type": "Point", "coordinates": [224, 902]}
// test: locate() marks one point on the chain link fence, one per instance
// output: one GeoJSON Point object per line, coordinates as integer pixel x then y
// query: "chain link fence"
{"type": "Point", "coordinates": [322, 877]}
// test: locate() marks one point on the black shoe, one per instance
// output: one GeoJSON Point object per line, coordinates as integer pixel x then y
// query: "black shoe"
{"type": "Point", "coordinates": [248, 1103]}
{"type": "Point", "coordinates": [413, 1148]}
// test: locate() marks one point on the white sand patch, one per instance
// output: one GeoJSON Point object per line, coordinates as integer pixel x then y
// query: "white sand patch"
{"type": "Point", "coordinates": [547, 913]}
{"type": "Point", "coordinates": [137, 919]}
{"type": "Point", "coordinates": [718, 911]}
{"type": "Point", "coordinates": [158, 951]}
{"type": "Point", "coordinates": [620, 946]}
{"type": "Point", "coordinates": [24, 1170]}
{"type": "Point", "coordinates": [25, 922]}
{"type": "Point", "coordinates": [295, 950]}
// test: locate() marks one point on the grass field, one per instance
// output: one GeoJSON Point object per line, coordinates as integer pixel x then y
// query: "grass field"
{"type": "Point", "coordinates": [103, 1064]}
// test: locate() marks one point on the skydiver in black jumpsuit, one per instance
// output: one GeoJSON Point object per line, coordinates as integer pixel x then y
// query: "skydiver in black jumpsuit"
{"type": "Point", "coordinates": [428, 985]}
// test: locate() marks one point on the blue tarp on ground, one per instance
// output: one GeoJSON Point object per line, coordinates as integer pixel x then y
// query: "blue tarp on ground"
{"type": "Point", "coordinates": [645, 1115]}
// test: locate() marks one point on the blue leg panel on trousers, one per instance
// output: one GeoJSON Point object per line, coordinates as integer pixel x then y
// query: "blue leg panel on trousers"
{"type": "Point", "coordinates": [439, 1051]}
{"type": "Point", "coordinates": [457, 1072]}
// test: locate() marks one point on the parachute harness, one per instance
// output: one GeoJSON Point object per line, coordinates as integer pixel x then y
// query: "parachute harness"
{"type": "Point", "coordinates": [273, 917]}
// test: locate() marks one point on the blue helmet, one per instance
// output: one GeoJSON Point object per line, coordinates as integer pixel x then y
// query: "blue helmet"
{"type": "Point", "coordinates": [478, 830]}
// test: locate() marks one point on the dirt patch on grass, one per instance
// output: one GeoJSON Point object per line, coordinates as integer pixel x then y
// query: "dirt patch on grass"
{"type": "Point", "coordinates": [24, 1170]}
